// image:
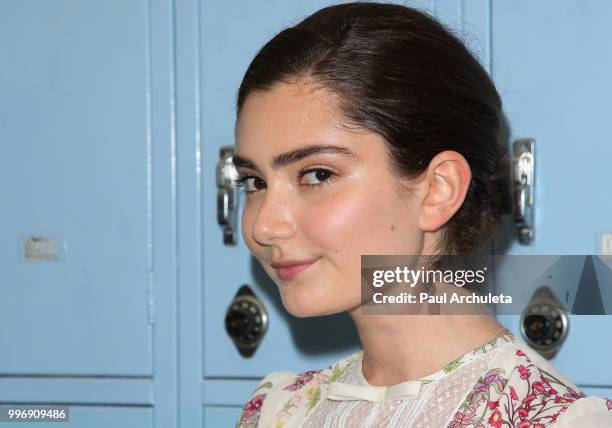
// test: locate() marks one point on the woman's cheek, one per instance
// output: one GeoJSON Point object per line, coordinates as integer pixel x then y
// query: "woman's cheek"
{"type": "Point", "coordinates": [342, 218]}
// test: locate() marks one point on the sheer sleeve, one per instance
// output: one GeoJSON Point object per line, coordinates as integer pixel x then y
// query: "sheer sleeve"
{"type": "Point", "coordinates": [588, 411]}
{"type": "Point", "coordinates": [264, 399]}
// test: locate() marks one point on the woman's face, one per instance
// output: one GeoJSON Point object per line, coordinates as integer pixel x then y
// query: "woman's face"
{"type": "Point", "coordinates": [318, 196]}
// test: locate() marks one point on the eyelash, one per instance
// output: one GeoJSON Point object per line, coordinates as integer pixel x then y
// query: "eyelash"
{"type": "Point", "coordinates": [241, 180]}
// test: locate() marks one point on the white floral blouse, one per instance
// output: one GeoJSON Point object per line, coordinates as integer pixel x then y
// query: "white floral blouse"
{"type": "Point", "coordinates": [502, 383]}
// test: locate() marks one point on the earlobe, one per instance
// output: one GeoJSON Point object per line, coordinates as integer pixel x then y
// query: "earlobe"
{"type": "Point", "coordinates": [447, 180]}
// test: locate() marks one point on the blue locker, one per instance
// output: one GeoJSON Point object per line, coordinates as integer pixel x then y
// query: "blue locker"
{"type": "Point", "coordinates": [113, 118]}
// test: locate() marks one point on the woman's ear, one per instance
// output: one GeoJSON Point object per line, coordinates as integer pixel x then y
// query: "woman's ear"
{"type": "Point", "coordinates": [446, 183]}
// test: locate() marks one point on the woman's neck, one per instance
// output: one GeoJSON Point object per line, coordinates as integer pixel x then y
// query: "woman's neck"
{"type": "Point", "coordinates": [399, 348]}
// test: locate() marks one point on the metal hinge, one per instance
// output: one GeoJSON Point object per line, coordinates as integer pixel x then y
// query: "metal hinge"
{"type": "Point", "coordinates": [150, 298]}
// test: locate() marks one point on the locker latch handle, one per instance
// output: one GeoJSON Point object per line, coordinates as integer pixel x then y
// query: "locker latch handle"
{"type": "Point", "coordinates": [523, 189]}
{"type": "Point", "coordinates": [227, 195]}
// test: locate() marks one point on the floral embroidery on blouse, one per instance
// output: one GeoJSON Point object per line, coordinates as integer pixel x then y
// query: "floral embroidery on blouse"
{"type": "Point", "coordinates": [307, 386]}
{"type": "Point", "coordinates": [301, 380]}
{"type": "Point", "coordinates": [252, 409]}
{"type": "Point", "coordinates": [536, 402]}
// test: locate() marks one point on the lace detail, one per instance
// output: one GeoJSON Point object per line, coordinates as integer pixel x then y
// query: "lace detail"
{"type": "Point", "coordinates": [447, 393]}
{"type": "Point", "coordinates": [434, 408]}
{"type": "Point", "coordinates": [440, 394]}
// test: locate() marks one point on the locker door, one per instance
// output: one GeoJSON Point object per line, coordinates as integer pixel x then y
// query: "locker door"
{"type": "Point", "coordinates": [88, 237]}
{"type": "Point", "coordinates": [552, 65]}
{"type": "Point", "coordinates": [75, 183]}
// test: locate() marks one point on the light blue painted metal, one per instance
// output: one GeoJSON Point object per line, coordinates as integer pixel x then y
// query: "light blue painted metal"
{"type": "Point", "coordinates": [76, 390]}
{"type": "Point", "coordinates": [217, 416]}
{"type": "Point", "coordinates": [550, 68]}
{"type": "Point", "coordinates": [450, 13]}
{"type": "Point", "coordinates": [553, 75]}
{"type": "Point", "coordinates": [74, 165]}
{"type": "Point", "coordinates": [222, 392]}
{"type": "Point", "coordinates": [476, 29]}
{"type": "Point", "coordinates": [90, 128]}
{"type": "Point", "coordinates": [164, 209]}
{"type": "Point", "coordinates": [600, 392]}
{"type": "Point", "coordinates": [190, 202]}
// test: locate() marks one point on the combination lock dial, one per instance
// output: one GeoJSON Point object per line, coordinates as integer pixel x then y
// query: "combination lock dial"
{"type": "Point", "coordinates": [544, 322]}
{"type": "Point", "coordinates": [246, 321]}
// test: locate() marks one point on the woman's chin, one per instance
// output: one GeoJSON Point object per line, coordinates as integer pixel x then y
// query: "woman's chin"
{"type": "Point", "coordinates": [302, 308]}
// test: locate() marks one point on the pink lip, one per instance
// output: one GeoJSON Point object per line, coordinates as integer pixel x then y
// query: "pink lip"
{"type": "Point", "coordinates": [290, 271]}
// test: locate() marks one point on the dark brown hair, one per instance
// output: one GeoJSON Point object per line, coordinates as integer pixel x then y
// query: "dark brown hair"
{"type": "Point", "coordinates": [400, 73]}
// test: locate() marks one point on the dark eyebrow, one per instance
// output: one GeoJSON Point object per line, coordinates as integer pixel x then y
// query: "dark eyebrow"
{"type": "Point", "coordinates": [293, 156]}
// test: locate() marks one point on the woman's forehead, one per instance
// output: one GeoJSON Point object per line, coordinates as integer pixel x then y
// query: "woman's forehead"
{"type": "Point", "coordinates": [292, 117]}
{"type": "Point", "coordinates": [305, 94]}
{"type": "Point", "coordinates": [289, 115]}
{"type": "Point", "coordinates": [295, 115]}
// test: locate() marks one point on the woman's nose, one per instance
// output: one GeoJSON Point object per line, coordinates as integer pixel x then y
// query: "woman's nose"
{"type": "Point", "coordinates": [274, 220]}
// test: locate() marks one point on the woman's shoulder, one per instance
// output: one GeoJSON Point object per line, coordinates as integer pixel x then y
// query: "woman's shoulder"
{"type": "Point", "coordinates": [521, 388]}
{"type": "Point", "coordinates": [267, 393]}
{"type": "Point", "coordinates": [286, 393]}
{"type": "Point", "coordinates": [590, 411]}
{"type": "Point", "coordinates": [580, 409]}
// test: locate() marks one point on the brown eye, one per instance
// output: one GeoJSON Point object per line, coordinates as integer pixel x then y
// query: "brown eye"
{"type": "Point", "coordinates": [258, 183]}
{"type": "Point", "coordinates": [317, 176]}
{"type": "Point", "coordinates": [250, 183]}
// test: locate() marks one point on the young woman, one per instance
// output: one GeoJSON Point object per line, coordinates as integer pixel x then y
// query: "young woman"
{"type": "Point", "coordinates": [369, 129]}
